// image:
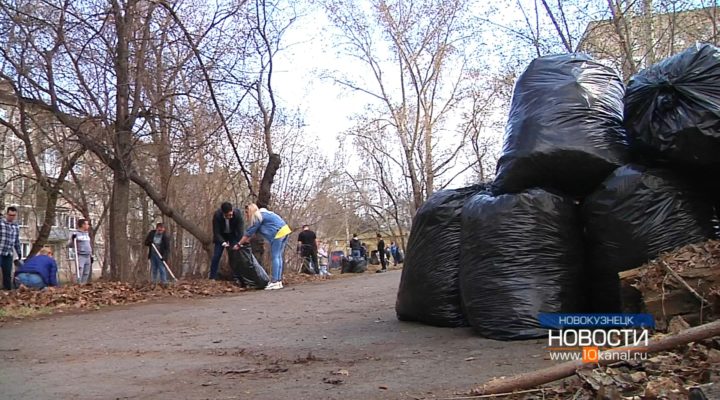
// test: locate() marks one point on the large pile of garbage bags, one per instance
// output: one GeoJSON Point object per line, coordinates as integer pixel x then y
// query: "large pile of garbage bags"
{"type": "Point", "coordinates": [594, 178]}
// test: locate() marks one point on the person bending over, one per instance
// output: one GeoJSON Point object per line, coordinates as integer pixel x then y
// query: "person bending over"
{"type": "Point", "coordinates": [275, 231]}
{"type": "Point", "coordinates": [39, 271]}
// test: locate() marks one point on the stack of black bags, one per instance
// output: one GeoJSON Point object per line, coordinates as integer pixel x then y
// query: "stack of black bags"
{"type": "Point", "coordinates": [594, 179]}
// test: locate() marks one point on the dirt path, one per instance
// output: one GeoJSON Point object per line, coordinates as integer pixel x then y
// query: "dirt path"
{"type": "Point", "coordinates": [284, 344]}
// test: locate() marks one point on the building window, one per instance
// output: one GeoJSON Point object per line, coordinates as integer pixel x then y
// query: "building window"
{"type": "Point", "coordinates": [71, 253]}
{"type": "Point", "coordinates": [25, 249]}
{"type": "Point", "coordinates": [21, 217]}
{"type": "Point", "coordinates": [17, 186]}
{"type": "Point", "coordinates": [70, 221]}
{"type": "Point", "coordinates": [58, 217]}
{"type": "Point", "coordinates": [51, 162]}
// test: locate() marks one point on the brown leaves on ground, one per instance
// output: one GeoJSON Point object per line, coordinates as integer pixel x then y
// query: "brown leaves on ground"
{"type": "Point", "coordinates": [673, 285]}
{"type": "Point", "coordinates": [98, 294]}
{"type": "Point", "coordinates": [666, 375]}
{"type": "Point", "coordinates": [693, 261]}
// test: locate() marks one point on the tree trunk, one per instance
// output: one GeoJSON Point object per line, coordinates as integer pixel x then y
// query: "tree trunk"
{"type": "Point", "coordinates": [648, 32]}
{"type": "Point", "coordinates": [119, 246]}
{"type": "Point", "coordinates": [44, 233]}
{"type": "Point", "coordinates": [120, 267]}
{"type": "Point", "coordinates": [177, 257]}
{"type": "Point", "coordinates": [429, 173]}
{"type": "Point", "coordinates": [3, 184]}
{"type": "Point", "coordinates": [264, 194]}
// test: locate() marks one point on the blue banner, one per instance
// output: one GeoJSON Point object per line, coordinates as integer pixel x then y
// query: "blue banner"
{"type": "Point", "coordinates": [559, 321]}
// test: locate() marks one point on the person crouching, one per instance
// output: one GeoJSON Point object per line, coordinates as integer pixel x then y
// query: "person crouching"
{"type": "Point", "coordinates": [39, 271]}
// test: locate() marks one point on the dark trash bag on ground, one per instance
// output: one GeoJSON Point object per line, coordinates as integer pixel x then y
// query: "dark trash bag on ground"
{"type": "Point", "coordinates": [354, 265]}
{"type": "Point", "coordinates": [522, 255]}
{"type": "Point", "coordinates": [672, 108]}
{"type": "Point", "coordinates": [564, 130]}
{"type": "Point", "coordinates": [429, 291]}
{"type": "Point", "coordinates": [247, 268]}
{"type": "Point", "coordinates": [636, 214]}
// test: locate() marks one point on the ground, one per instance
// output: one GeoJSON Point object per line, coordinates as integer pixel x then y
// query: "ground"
{"type": "Point", "coordinates": [337, 339]}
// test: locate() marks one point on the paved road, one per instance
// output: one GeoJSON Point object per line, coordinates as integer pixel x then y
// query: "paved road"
{"type": "Point", "coordinates": [332, 340]}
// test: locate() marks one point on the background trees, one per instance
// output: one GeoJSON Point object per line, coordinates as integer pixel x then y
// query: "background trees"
{"type": "Point", "coordinates": [136, 111]}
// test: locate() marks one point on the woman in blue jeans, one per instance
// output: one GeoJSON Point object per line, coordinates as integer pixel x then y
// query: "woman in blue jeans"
{"type": "Point", "coordinates": [275, 231]}
{"type": "Point", "coordinates": [39, 271]}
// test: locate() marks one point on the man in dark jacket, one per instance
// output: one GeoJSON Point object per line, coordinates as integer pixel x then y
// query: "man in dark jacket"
{"type": "Point", "coordinates": [160, 239]}
{"type": "Point", "coordinates": [355, 246]}
{"type": "Point", "coordinates": [381, 253]}
{"type": "Point", "coordinates": [228, 229]}
{"type": "Point", "coordinates": [307, 240]}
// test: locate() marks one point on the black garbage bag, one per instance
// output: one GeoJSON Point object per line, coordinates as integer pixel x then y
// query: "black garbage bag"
{"type": "Point", "coordinates": [353, 265]}
{"type": "Point", "coordinates": [564, 130]}
{"type": "Point", "coordinates": [429, 291]}
{"type": "Point", "coordinates": [672, 108]}
{"type": "Point", "coordinates": [522, 255]}
{"type": "Point", "coordinates": [247, 268]}
{"type": "Point", "coordinates": [636, 214]}
{"type": "Point", "coordinates": [358, 265]}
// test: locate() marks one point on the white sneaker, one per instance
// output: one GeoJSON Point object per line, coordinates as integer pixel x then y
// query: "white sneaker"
{"type": "Point", "coordinates": [274, 286]}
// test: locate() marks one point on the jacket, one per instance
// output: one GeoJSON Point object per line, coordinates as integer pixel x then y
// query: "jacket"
{"type": "Point", "coordinates": [237, 226]}
{"type": "Point", "coordinates": [42, 265]}
{"type": "Point", "coordinates": [268, 227]}
{"type": "Point", "coordinates": [164, 247]}
{"type": "Point", "coordinates": [355, 244]}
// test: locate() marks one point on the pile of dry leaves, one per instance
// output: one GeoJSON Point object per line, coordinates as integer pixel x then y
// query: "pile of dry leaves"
{"type": "Point", "coordinates": [674, 375]}
{"type": "Point", "coordinates": [99, 294]}
{"type": "Point", "coordinates": [683, 283]}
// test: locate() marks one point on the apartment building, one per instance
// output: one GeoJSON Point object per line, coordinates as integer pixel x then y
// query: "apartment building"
{"type": "Point", "coordinates": [19, 185]}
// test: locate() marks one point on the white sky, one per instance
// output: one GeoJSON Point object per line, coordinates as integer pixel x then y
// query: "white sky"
{"type": "Point", "coordinates": [326, 107]}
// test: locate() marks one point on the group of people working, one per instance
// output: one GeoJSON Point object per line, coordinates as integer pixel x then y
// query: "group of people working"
{"type": "Point", "coordinates": [358, 249]}
{"type": "Point", "coordinates": [229, 233]}
{"type": "Point", "coordinates": [39, 271]}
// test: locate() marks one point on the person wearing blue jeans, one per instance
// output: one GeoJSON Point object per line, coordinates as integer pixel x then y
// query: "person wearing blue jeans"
{"type": "Point", "coordinates": [39, 271]}
{"type": "Point", "coordinates": [158, 242]}
{"type": "Point", "coordinates": [228, 227]}
{"type": "Point", "coordinates": [355, 246]}
{"type": "Point", "coordinates": [270, 226]}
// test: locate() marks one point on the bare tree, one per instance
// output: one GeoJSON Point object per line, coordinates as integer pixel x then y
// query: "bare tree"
{"type": "Point", "coordinates": [418, 86]}
{"type": "Point", "coordinates": [103, 55]}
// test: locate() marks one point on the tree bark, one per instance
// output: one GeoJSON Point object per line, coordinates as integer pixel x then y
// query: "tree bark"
{"type": "Point", "coordinates": [560, 371]}
{"type": "Point", "coordinates": [264, 194]}
{"type": "Point", "coordinates": [119, 246]}
{"type": "Point", "coordinates": [48, 219]}
{"type": "Point", "coordinates": [120, 268]}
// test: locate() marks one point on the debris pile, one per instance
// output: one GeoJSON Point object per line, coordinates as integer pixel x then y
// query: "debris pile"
{"type": "Point", "coordinates": [671, 375]}
{"type": "Point", "coordinates": [98, 294]}
{"type": "Point", "coordinates": [679, 288]}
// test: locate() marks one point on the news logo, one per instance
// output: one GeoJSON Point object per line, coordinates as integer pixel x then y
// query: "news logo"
{"type": "Point", "coordinates": [595, 337]}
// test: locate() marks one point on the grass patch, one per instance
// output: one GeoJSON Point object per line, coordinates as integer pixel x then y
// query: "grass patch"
{"type": "Point", "coordinates": [23, 312]}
